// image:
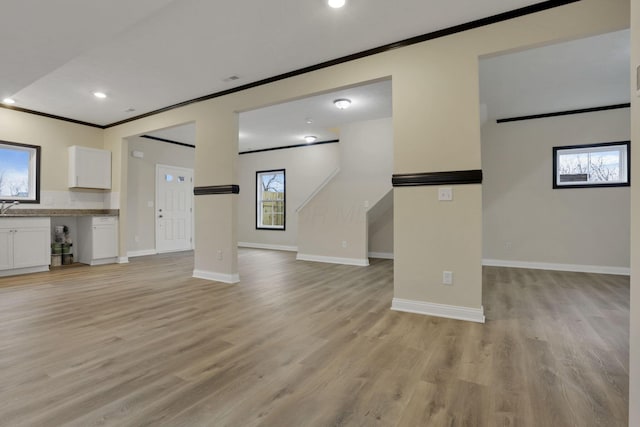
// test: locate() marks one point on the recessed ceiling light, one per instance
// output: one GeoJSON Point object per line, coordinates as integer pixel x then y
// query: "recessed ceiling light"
{"type": "Point", "coordinates": [342, 103]}
{"type": "Point", "coordinates": [336, 3]}
{"type": "Point", "coordinates": [309, 120]}
{"type": "Point", "coordinates": [100, 95]}
{"type": "Point", "coordinates": [9, 101]}
{"type": "Point", "coordinates": [310, 138]}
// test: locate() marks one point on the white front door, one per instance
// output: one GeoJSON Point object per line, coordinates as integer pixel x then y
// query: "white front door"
{"type": "Point", "coordinates": [174, 208]}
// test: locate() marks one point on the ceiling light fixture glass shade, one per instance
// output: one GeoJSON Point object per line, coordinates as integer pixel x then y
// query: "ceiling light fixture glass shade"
{"type": "Point", "coordinates": [100, 95]}
{"type": "Point", "coordinates": [342, 103]}
{"type": "Point", "coordinates": [8, 101]}
{"type": "Point", "coordinates": [310, 138]}
{"type": "Point", "coordinates": [336, 3]}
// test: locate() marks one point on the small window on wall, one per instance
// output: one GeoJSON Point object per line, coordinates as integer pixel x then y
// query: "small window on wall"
{"type": "Point", "coordinates": [19, 172]}
{"type": "Point", "coordinates": [270, 199]}
{"type": "Point", "coordinates": [593, 165]}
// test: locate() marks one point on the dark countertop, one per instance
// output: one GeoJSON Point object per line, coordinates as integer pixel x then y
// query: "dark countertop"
{"type": "Point", "coordinates": [17, 212]}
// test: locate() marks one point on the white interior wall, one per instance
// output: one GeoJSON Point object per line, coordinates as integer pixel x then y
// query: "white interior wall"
{"type": "Point", "coordinates": [526, 221]}
{"type": "Point", "coordinates": [380, 222]}
{"type": "Point", "coordinates": [141, 186]}
{"type": "Point", "coordinates": [305, 169]}
{"type": "Point", "coordinates": [333, 226]}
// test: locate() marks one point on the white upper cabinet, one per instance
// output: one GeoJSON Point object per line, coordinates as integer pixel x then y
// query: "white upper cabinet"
{"type": "Point", "coordinates": [89, 168]}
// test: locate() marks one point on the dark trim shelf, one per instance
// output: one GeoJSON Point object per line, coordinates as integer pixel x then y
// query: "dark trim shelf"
{"type": "Point", "coordinates": [216, 189]}
{"type": "Point", "coordinates": [437, 178]}
{"type": "Point", "coordinates": [564, 113]}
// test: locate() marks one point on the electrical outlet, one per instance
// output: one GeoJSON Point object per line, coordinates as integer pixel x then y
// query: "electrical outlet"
{"type": "Point", "coordinates": [220, 255]}
{"type": "Point", "coordinates": [447, 278]}
{"type": "Point", "coordinates": [344, 243]}
{"type": "Point", "coordinates": [508, 245]}
{"type": "Point", "coordinates": [136, 239]}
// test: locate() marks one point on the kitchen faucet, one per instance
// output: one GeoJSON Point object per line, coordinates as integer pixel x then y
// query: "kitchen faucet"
{"type": "Point", "coordinates": [5, 207]}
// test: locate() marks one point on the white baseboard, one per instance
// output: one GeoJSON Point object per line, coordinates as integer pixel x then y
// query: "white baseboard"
{"type": "Point", "coordinates": [26, 270]}
{"type": "Point", "coordinates": [381, 255]}
{"type": "Point", "coordinates": [333, 260]}
{"type": "Point", "coordinates": [216, 277]}
{"type": "Point", "coordinates": [104, 261]}
{"type": "Point", "coordinates": [439, 310]}
{"type": "Point", "coordinates": [145, 252]}
{"type": "Point", "coordinates": [265, 246]}
{"type": "Point", "coordinates": [123, 260]}
{"type": "Point", "coordinates": [623, 271]}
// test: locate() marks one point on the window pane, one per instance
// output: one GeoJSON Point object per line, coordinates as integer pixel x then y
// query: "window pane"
{"type": "Point", "coordinates": [18, 172]}
{"type": "Point", "coordinates": [270, 197]}
{"type": "Point", "coordinates": [604, 164]}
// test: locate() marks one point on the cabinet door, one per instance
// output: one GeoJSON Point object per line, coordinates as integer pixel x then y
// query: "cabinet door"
{"type": "Point", "coordinates": [105, 241]}
{"type": "Point", "coordinates": [89, 168]}
{"type": "Point", "coordinates": [31, 247]}
{"type": "Point", "coordinates": [6, 249]}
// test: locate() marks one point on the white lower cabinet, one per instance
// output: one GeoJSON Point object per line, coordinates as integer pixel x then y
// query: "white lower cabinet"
{"type": "Point", "coordinates": [25, 245]}
{"type": "Point", "coordinates": [98, 240]}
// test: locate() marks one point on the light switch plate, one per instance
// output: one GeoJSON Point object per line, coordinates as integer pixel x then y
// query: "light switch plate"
{"type": "Point", "coordinates": [445, 193]}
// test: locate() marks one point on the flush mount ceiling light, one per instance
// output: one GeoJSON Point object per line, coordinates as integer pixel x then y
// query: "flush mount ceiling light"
{"type": "Point", "coordinates": [100, 95]}
{"type": "Point", "coordinates": [310, 138]}
{"type": "Point", "coordinates": [8, 101]}
{"type": "Point", "coordinates": [336, 3]}
{"type": "Point", "coordinates": [342, 103]}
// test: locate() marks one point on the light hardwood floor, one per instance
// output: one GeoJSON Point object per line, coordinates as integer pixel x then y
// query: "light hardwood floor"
{"type": "Point", "coordinates": [306, 344]}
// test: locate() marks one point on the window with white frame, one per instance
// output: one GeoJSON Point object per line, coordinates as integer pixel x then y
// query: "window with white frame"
{"type": "Point", "coordinates": [592, 165]}
{"type": "Point", "coordinates": [19, 172]}
{"type": "Point", "coordinates": [270, 199]}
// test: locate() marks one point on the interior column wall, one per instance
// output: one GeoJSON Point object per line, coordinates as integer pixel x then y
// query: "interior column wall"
{"type": "Point", "coordinates": [436, 128]}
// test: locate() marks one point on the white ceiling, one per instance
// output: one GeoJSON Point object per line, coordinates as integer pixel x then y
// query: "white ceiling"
{"type": "Point", "coordinates": [286, 124]}
{"type": "Point", "coordinates": [149, 54]}
{"type": "Point", "coordinates": [589, 72]}
{"type": "Point", "coordinates": [577, 74]}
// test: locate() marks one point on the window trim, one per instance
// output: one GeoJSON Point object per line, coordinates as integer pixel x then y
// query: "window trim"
{"type": "Point", "coordinates": [36, 190]}
{"type": "Point", "coordinates": [556, 150]}
{"type": "Point", "coordinates": [256, 195]}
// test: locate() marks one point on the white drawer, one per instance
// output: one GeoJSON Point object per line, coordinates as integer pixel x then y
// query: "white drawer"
{"type": "Point", "coordinates": [103, 220]}
{"type": "Point", "coordinates": [25, 222]}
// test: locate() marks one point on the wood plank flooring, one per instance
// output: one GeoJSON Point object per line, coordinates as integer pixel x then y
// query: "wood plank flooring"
{"type": "Point", "coordinates": [306, 344]}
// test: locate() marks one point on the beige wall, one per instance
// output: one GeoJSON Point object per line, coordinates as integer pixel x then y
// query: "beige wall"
{"type": "Point", "coordinates": [525, 219]}
{"type": "Point", "coordinates": [306, 169]}
{"type": "Point", "coordinates": [435, 102]}
{"type": "Point", "coordinates": [435, 126]}
{"type": "Point", "coordinates": [334, 223]}
{"type": "Point", "coordinates": [141, 187]}
{"type": "Point", "coordinates": [634, 361]}
{"type": "Point", "coordinates": [380, 222]}
{"type": "Point", "coordinates": [54, 136]}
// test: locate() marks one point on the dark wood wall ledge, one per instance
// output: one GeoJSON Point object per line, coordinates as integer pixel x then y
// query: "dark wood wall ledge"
{"type": "Point", "coordinates": [437, 178]}
{"type": "Point", "coordinates": [17, 212]}
{"type": "Point", "coordinates": [216, 189]}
